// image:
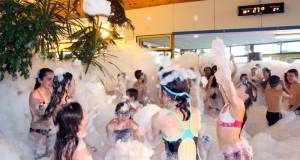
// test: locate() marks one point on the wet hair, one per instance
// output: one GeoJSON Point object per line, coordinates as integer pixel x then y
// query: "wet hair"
{"type": "Point", "coordinates": [249, 101]}
{"type": "Point", "coordinates": [253, 68]}
{"type": "Point", "coordinates": [214, 69]}
{"type": "Point", "coordinates": [273, 81]}
{"type": "Point", "coordinates": [285, 77]}
{"type": "Point", "coordinates": [242, 76]}
{"type": "Point", "coordinates": [178, 86]}
{"type": "Point", "coordinates": [122, 73]}
{"type": "Point", "coordinates": [266, 69]}
{"type": "Point", "coordinates": [293, 71]}
{"type": "Point", "coordinates": [68, 119]}
{"type": "Point", "coordinates": [160, 68]}
{"type": "Point", "coordinates": [59, 90]}
{"type": "Point", "coordinates": [119, 106]}
{"type": "Point", "coordinates": [138, 74]}
{"type": "Point", "coordinates": [214, 82]}
{"type": "Point", "coordinates": [42, 73]}
{"type": "Point", "coordinates": [133, 93]}
{"type": "Point", "coordinates": [257, 65]}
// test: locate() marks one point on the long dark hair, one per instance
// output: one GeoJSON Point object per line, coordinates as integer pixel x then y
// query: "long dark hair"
{"type": "Point", "coordinates": [59, 90]}
{"type": "Point", "coordinates": [178, 86]}
{"type": "Point", "coordinates": [68, 119]}
{"type": "Point", "coordinates": [249, 101]}
{"type": "Point", "coordinates": [214, 82]}
{"type": "Point", "coordinates": [42, 73]}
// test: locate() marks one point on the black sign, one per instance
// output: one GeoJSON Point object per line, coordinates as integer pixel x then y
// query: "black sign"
{"type": "Point", "coordinates": [261, 9]}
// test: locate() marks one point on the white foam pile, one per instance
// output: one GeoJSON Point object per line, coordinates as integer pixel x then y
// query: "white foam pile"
{"type": "Point", "coordinates": [280, 141]}
{"type": "Point", "coordinates": [96, 7]}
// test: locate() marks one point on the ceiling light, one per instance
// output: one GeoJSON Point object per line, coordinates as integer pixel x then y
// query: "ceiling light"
{"type": "Point", "coordinates": [287, 36]}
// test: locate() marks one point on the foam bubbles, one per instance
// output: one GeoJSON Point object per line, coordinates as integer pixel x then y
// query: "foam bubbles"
{"type": "Point", "coordinates": [96, 7]}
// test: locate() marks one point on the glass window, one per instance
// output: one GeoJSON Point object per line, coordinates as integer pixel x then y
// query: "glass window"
{"type": "Point", "coordinates": [267, 48]}
{"type": "Point", "coordinates": [206, 51]}
{"type": "Point", "coordinates": [240, 50]}
{"type": "Point", "coordinates": [240, 60]}
{"type": "Point", "coordinates": [291, 59]}
{"type": "Point", "coordinates": [271, 58]}
{"type": "Point", "coordinates": [290, 47]}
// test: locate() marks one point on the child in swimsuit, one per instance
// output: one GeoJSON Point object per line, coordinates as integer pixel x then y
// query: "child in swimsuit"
{"type": "Point", "coordinates": [40, 131]}
{"type": "Point", "coordinates": [294, 102]}
{"type": "Point", "coordinates": [134, 105]}
{"type": "Point", "coordinates": [274, 99]}
{"type": "Point", "coordinates": [140, 86]}
{"type": "Point", "coordinates": [121, 128]}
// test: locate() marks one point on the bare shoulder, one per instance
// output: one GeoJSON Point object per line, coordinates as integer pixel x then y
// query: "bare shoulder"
{"type": "Point", "coordinates": [159, 116]}
{"type": "Point", "coordinates": [113, 121]}
{"type": "Point", "coordinates": [195, 112]}
{"type": "Point", "coordinates": [132, 123]}
{"type": "Point", "coordinates": [33, 94]}
{"type": "Point", "coordinates": [81, 154]}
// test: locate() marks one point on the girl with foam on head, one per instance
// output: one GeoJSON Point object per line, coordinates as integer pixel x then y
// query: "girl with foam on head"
{"type": "Point", "coordinates": [179, 125]}
{"type": "Point", "coordinates": [121, 128]}
{"type": "Point", "coordinates": [40, 131]}
{"type": "Point", "coordinates": [63, 86]}
{"type": "Point", "coordinates": [71, 120]}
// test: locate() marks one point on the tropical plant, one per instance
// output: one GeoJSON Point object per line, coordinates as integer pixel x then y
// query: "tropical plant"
{"type": "Point", "coordinates": [91, 43]}
{"type": "Point", "coordinates": [26, 26]}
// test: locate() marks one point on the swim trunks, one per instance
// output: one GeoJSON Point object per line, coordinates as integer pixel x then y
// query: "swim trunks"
{"type": "Point", "coordinates": [273, 117]}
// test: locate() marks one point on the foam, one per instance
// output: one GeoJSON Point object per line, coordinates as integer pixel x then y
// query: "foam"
{"type": "Point", "coordinates": [96, 7]}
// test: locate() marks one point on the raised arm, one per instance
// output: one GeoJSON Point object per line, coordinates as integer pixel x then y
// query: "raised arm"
{"type": "Point", "coordinates": [223, 75]}
{"type": "Point", "coordinates": [199, 63]}
{"type": "Point", "coordinates": [234, 66]}
{"type": "Point", "coordinates": [286, 93]}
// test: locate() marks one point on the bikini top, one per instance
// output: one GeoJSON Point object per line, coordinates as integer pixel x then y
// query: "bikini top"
{"type": "Point", "coordinates": [186, 132]}
{"type": "Point", "coordinates": [226, 120]}
{"type": "Point", "coordinates": [123, 135]}
{"type": "Point", "coordinates": [43, 105]}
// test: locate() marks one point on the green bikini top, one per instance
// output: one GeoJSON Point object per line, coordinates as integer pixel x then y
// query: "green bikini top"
{"type": "Point", "coordinates": [186, 132]}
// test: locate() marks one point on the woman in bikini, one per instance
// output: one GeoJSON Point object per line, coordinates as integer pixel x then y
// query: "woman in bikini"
{"type": "Point", "coordinates": [179, 125]}
{"type": "Point", "coordinates": [121, 128]}
{"type": "Point", "coordinates": [40, 131]}
{"type": "Point", "coordinates": [71, 120]}
{"type": "Point", "coordinates": [234, 114]}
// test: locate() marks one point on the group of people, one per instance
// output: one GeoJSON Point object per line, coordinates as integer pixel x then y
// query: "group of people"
{"type": "Point", "coordinates": [179, 124]}
{"type": "Point", "coordinates": [53, 114]}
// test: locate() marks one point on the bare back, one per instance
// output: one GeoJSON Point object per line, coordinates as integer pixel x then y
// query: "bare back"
{"type": "Point", "coordinates": [274, 99]}
{"type": "Point", "coordinates": [141, 87]}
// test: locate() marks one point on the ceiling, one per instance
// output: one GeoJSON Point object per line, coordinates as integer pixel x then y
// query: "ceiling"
{"type": "Point", "coordinates": [135, 4]}
{"type": "Point", "coordinates": [203, 41]}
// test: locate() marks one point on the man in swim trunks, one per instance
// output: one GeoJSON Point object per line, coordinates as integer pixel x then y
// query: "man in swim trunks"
{"type": "Point", "coordinates": [294, 102]}
{"type": "Point", "coordinates": [274, 99]}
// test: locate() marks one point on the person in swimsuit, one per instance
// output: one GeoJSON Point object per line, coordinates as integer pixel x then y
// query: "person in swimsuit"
{"type": "Point", "coordinates": [243, 77]}
{"type": "Point", "coordinates": [264, 81]}
{"type": "Point", "coordinates": [140, 86]}
{"type": "Point", "coordinates": [69, 145]}
{"type": "Point", "coordinates": [254, 74]}
{"type": "Point", "coordinates": [274, 99]}
{"type": "Point", "coordinates": [121, 128]}
{"type": "Point", "coordinates": [179, 125]}
{"type": "Point", "coordinates": [234, 114]}
{"type": "Point", "coordinates": [294, 102]}
{"type": "Point", "coordinates": [132, 95]}
{"type": "Point", "coordinates": [63, 87]}
{"type": "Point", "coordinates": [120, 87]}
{"type": "Point", "coordinates": [40, 131]}
{"type": "Point", "coordinates": [213, 100]}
